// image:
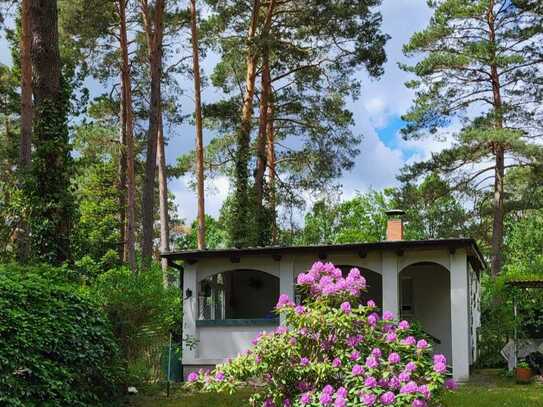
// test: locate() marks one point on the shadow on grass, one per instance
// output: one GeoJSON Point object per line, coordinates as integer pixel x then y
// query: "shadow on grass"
{"type": "Point", "coordinates": [155, 396]}
{"type": "Point", "coordinates": [489, 388]}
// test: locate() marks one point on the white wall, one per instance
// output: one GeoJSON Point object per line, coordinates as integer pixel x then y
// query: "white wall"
{"type": "Point", "coordinates": [226, 342]}
{"type": "Point", "coordinates": [209, 267]}
{"type": "Point", "coordinates": [460, 329]}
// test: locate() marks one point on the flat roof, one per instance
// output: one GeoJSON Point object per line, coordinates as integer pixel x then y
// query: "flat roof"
{"type": "Point", "coordinates": [474, 254]}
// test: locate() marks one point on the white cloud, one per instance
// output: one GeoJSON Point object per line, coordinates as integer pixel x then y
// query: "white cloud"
{"type": "Point", "coordinates": [375, 106]}
{"type": "Point", "coordinates": [186, 200]}
{"type": "Point", "coordinates": [385, 100]}
{"type": "Point", "coordinates": [401, 18]}
{"type": "Point", "coordinates": [375, 168]}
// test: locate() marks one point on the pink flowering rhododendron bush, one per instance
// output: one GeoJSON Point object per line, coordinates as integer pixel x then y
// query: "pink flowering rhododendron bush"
{"type": "Point", "coordinates": [335, 351]}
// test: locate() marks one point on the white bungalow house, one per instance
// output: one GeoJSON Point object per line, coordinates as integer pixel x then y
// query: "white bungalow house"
{"type": "Point", "coordinates": [229, 294]}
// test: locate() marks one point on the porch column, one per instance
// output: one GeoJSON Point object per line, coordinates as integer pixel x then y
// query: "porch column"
{"type": "Point", "coordinates": [459, 315]}
{"type": "Point", "coordinates": [190, 310]}
{"type": "Point", "coordinates": [390, 283]}
{"type": "Point", "coordinates": [286, 278]}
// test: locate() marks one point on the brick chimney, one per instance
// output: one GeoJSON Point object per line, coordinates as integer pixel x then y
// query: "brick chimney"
{"type": "Point", "coordinates": [395, 224]}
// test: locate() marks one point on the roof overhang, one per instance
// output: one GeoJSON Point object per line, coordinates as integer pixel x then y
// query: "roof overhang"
{"type": "Point", "coordinates": [475, 257]}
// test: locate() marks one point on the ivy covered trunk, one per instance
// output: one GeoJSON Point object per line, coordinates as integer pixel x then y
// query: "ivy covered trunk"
{"type": "Point", "coordinates": [262, 216]}
{"type": "Point", "coordinates": [239, 229]}
{"type": "Point", "coordinates": [52, 200]}
{"type": "Point", "coordinates": [121, 187]}
{"type": "Point", "coordinates": [499, 212]}
{"type": "Point", "coordinates": [262, 226]}
{"type": "Point", "coordinates": [26, 86]}
{"type": "Point", "coordinates": [270, 152]}
{"type": "Point", "coordinates": [25, 148]}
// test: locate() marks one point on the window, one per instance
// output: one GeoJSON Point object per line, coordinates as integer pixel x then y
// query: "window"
{"type": "Point", "coordinates": [211, 298]}
{"type": "Point", "coordinates": [238, 294]}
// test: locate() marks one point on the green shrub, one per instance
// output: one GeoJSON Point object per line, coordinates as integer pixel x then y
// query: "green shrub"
{"type": "Point", "coordinates": [142, 313]}
{"type": "Point", "coordinates": [56, 345]}
{"type": "Point", "coordinates": [497, 324]}
{"type": "Point", "coordinates": [497, 318]}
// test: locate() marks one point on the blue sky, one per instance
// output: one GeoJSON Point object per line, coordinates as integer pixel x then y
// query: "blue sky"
{"type": "Point", "coordinates": [376, 113]}
{"type": "Point", "coordinates": [389, 133]}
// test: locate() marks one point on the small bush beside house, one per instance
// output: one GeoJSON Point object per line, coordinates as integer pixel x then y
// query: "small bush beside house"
{"type": "Point", "coordinates": [57, 346]}
{"type": "Point", "coordinates": [334, 351]}
{"type": "Point", "coordinates": [142, 314]}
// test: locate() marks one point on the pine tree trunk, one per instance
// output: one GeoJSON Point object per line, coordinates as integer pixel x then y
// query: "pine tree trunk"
{"type": "Point", "coordinates": [129, 252]}
{"type": "Point", "coordinates": [497, 230]}
{"type": "Point", "coordinates": [261, 157]}
{"type": "Point", "coordinates": [153, 29]}
{"type": "Point", "coordinates": [121, 187]}
{"type": "Point", "coordinates": [499, 152]}
{"type": "Point", "coordinates": [199, 131]}
{"type": "Point", "coordinates": [51, 164]}
{"type": "Point", "coordinates": [163, 199]}
{"type": "Point", "coordinates": [271, 166]}
{"type": "Point", "coordinates": [45, 49]}
{"type": "Point", "coordinates": [240, 229]}
{"type": "Point", "coordinates": [263, 223]}
{"type": "Point", "coordinates": [25, 153]}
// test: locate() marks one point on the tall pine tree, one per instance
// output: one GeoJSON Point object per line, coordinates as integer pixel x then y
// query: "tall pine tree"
{"type": "Point", "coordinates": [481, 68]}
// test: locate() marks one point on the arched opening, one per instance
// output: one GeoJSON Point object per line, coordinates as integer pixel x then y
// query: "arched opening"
{"type": "Point", "coordinates": [425, 297]}
{"type": "Point", "coordinates": [374, 283]}
{"type": "Point", "coordinates": [238, 294]}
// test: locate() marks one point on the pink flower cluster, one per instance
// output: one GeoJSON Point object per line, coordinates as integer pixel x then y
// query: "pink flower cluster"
{"type": "Point", "coordinates": [327, 397]}
{"type": "Point", "coordinates": [326, 279]}
{"type": "Point", "coordinates": [440, 364]}
{"type": "Point", "coordinates": [284, 301]}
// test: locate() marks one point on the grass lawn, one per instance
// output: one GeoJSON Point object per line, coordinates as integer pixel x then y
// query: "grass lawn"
{"type": "Point", "coordinates": [487, 389]}
{"type": "Point", "coordinates": [491, 389]}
